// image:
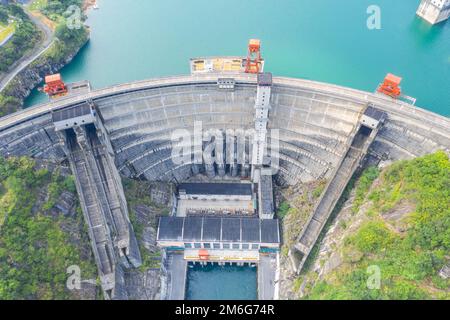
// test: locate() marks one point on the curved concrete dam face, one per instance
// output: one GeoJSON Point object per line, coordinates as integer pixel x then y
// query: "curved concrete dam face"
{"type": "Point", "coordinates": [314, 122]}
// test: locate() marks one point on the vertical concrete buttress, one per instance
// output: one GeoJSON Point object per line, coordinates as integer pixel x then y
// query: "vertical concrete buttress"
{"type": "Point", "coordinates": [102, 197]}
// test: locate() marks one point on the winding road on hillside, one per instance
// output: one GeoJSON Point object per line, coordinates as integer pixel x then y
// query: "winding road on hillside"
{"type": "Point", "coordinates": [23, 62]}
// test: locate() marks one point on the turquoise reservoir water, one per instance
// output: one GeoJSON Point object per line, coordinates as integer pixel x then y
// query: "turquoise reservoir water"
{"type": "Point", "coordinates": [324, 40]}
{"type": "Point", "coordinates": [214, 282]}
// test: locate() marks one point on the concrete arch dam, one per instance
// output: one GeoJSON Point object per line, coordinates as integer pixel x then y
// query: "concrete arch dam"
{"type": "Point", "coordinates": [126, 129]}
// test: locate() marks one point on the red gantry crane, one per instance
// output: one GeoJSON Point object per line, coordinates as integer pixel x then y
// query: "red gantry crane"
{"type": "Point", "coordinates": [391, 87]}
{"type": "Point", "coordinates": [254, 56]}
{"type": "Point", "coordinates": [54, 86]}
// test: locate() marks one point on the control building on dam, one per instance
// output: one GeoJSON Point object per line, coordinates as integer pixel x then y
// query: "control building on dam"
{"type": "Point", "coordinates": [323, 131]}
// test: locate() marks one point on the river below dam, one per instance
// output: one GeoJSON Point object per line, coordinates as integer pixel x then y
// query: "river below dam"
{"type": "Point", "coordinates": [323, 40]}
{"type": "Point", "coordinates": [214, 282]}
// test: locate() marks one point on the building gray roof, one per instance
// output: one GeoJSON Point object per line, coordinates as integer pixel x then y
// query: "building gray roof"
{"type": "Point", "coordinates": [375, 113]}
{"type": "Point", "coordinates": [231, 189]}
{"type": "Point", "coordinates": [70, 113]}
{"type": "Point", "coordinates": [216, 229]}
{"type": "Point", "coordinates": [266, 194]}
{"type": "Point", "coordinates": [212, 228]}
{"type": "Point", "coordinates": [231, 230]}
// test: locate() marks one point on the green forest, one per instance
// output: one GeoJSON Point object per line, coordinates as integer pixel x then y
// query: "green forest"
{"type": "Point", "coordinates": [57, 8]}
{"type": "Point", "coordinates": [25, 36]}
{"type": "Point", "coordinates": [35, 251]}
{"type": "Point", "coordinates": [69, 39]}
{"type": "Point", "coordinates": [409, 251]}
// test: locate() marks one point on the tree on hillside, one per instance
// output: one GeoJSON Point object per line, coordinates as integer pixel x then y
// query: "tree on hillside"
{"type": "Point", "coordinates": [3, 15]}
{"type": "Point", "coordinates": [17, 11]}
{"type": "Point", "coordinates": [69, 36]}
{"type": "Point", "coordinates": [60, 6]}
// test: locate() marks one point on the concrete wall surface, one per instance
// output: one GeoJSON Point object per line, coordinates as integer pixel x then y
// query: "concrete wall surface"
{"type": "Point", "coordinates": [313, 121]}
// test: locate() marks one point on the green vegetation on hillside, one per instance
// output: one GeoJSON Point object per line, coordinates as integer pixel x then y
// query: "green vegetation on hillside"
{"type": "Point", "coordinates": [7, 30]}
{"type": "Point", "coordinates": [68, 42]}
{"type": "Point", "coordinates": [4, 15]}
{"type": "Point", "coordinates": [25, 36]}
{"type": "Point", "coordinates": [35, 252]}
{"type": "Point", "coordinates": [37, 5]}
{"type": "Point", "coordinates": [70, 38]}
{"type": "Point", "coordinates": [364, 183]}
{"type": "Point", "coordinates": [283, 210]}
{"type": "Point", "coordinates": [294, 210]}
{"type": "Point", "coordinates": [406, 235]}
{"type": "Point", "coordinates": [55, 9]}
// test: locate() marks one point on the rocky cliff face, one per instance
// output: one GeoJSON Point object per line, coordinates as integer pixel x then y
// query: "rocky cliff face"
{"type": "Point", "coordinates": [147, 201]}
{"type": "Point", "coordinates": [301, 199]}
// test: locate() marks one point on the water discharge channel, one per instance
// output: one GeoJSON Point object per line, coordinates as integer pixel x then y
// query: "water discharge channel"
{"type": "Point", "coordinates": [214, 282]}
